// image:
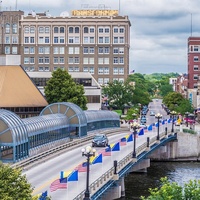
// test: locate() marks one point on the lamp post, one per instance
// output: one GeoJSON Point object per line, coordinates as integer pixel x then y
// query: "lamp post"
{"type": "Point", "coordinates": [158, 116]}
{"type": "Point", "coordinates": [88, 152]}
{"type": "Point", "coordinates": [191, 117]}
{"type": "Point", "coordinates": [173, 113]}
{"type": "Point", "coordinates": [186, 116]}
{"type": "Point", "coordinates": [134, 127]}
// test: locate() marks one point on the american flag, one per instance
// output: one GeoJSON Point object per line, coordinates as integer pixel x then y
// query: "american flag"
{"type": "Point", "coordinates": [58, 184]}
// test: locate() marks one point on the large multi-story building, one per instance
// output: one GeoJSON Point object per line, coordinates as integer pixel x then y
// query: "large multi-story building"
{"type": "Point", "coordinates": [95, 41]}
{"type": "Point", "coordinates": [193, 62]}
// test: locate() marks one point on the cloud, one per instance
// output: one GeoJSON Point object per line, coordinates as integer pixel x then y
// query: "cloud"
{"type": "Point", "coordinates": [159, 31]}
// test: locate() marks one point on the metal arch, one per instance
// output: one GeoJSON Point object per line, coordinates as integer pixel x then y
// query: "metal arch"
{"type": "Point", "coordinates": [79, 113]}
{"type": "Point", "coordinates": [16, 126]}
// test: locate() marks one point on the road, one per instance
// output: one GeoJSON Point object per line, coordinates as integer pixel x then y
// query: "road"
{"type": "Point", "coordinates": [44, 174]}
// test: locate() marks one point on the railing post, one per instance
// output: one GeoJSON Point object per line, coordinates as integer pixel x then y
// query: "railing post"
{"type": "Point", "coordinates": [116, 175]}
{"type": "Point", "coordinates": [148, 140]}
{"type": "Point", "coordinates": [166, 131]}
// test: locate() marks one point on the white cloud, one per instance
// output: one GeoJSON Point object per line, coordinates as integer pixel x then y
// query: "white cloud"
{"type": "Point", "coordinates": [159, 31]}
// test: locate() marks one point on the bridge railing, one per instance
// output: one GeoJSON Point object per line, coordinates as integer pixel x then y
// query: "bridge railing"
{"type": "Point", "coordinates": [53, 152]}
{"type": "Point", "coordinates": [109, 175]}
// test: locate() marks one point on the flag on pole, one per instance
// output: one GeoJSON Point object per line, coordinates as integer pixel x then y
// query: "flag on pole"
{"type": "Point", "coordinates": [116, 147]}
{"type": "Point", "coordinates": [130, 138]}
{"type": "Point", "coordinates": [132, 71]}
{"type": "Point", "coordinates": [57, 184]}
{"type": "Point", "coordinates": [141, 131]}
{"type": "Point", "coordinates": [107, 151]}
{"type": "Point", "coordinates": [82, 167]}
{"type": "Point", "coordinates": [150, 127]}
{"type": "Point", "coordinates": [123, 141]}
{"type": "Point", "coordinates": [43, 196]}
{"type": "Point", "coordinates": [96, 159]}
{"type": "Point", "coordinates": [73, 176]}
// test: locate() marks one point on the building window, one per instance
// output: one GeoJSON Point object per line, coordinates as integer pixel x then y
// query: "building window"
{"type": "Point", "coordinates": [14, 50]}
{"type": "Point", "coordinates": [100, 30]}
{"type": "Point", "coordinates": [62, 29]}
{"type": "Point", "coordinates": [115, 70]}
{"type": "Point", "coordinates": [85, 29]}
{"type": "Point", "coordinates": [55, 39]}
{"type": "Point", "coordinates": [40, 69]}
{"type": "Point", "coordinates": [14, 39]}
{"type": "Point", "coordinates": [91, 50]}
{"type": "Point", "coordinates": [32, 29]}
{"type": "Point", "coordinates": [76, 60]}
{"type": "Point", "coordinates": [26, 60]}
{"type": "Point", "coordinates": [115, 60]}
{"type": "Point", "coordinates": [100, 60]}
{"type": "Point", "coordinates": [46, 60]}
{"type": "Point", "coordinates": [106, 70]}
{"type": "Point", "coordinates": [196, 67]}
{"type": "Point", "coordinates": [196, 48]}
{"type": "Point", "coordinates": [106, 61]}
{"type": "Point", "coordinates": [32, 60]}
{"type": "Point", "coordinates": [121, 30]}
{"type": "Point", "coordinates": [91, 70]}
{"type": "Point", "coordinates": [100, 40]}
{"type": "Point", "coordinates": [85, 69]}
{"type": "Point", "coordinates": [100, 50]}
{"type": "Point", "coordinates": [7, 40]}
{"type": "Point", "coordinates": [14, 28]}
{"type": "Point", "coordinates": [100, 70]}
{"type": "Point", "coordinates": [7, 50]}
{"type": "Point", "coordinates": [55, 60]}
{"type": "Point", "coordinates": [32, 50]}
{"type": "Point", "coordinates": [62, 60]}
{"type": "Point", "coordinates": [196, 58]}
{"type": "Point", "coordinates": [32, 40]}
{"type": "Point", "coordinates": [76, 50]}
{"type": "Point", "coordinates": [107, 30]}
{"type": "Point", "coordinates": [91, 30]}
{"type": "Point", "coordinates": [41, 50]}
{"type": "Point", "coordinates": [100, 81]}
{"type": "Point", "coordinates": [46, 69]}
{"type": "Point", "coordinates": [26, 50]}
{"type": "Point", "coordinates": [55, 29]}
{"type": "Point", "coordinates": [121, 70]}
{"type": "Point", "coordinates": [41, 40]}
{"type": "Point", "coordinates": [70, 60]}
{"type": "Point", "coordinates": [195, 77]}
{"type": "Point", "coordinates": [85, 50]}
{"type": "Point", "coordinates": [106, 80]}
{"type": "Point", "coordinates": [41, 29]}
{"type": "Point", "coordinates": [76, 29]}
{"type": "Point", "coordinates": [121, 40]}
{"type": "Point", "coordinates": [121, 60]}
{"type": "Point", "coordinates": [62, 40]}
{"type": "Point", "coordinates": [46, 29]}
{"type": "Point", "coordinates": [107, 40]}
{"type": "Point", "coordinates": [7, 28]}
{"type": "Point", "coordinates": [71, 29]}
{"type": "Point", "coordinates": [115, 30]}
{"type": "Point", "coordinates": [46, 40]}
{"type": "Point", "coordinates": [115, 40]}
{"type": "Point", "coordinates": [106, 50]}
{"type": "Point", "coordinates": [26, 29]}
{"type": "Point", "coordinates": [40, 60]}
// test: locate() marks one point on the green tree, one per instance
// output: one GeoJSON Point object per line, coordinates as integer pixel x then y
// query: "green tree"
{"type": "Point", "coordinates": [165, 89]}
{"type": "Point", "coordinates": [62, 88]}
{"type": "Point", "coordinates": [175, 101]}
{"type": "Point", "coordinates": [172, 191]}
{"type": "Point", "coordinates": [119, 94]}
{"type": "Point", "coordinates": [13, 185]}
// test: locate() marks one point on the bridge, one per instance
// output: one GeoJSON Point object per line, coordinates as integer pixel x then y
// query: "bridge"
{"type": "Point", "coordinates": [105, 180]}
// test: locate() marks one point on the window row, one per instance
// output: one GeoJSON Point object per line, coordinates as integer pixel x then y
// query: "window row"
{"type": "Point", "coordinates": [194, 48]}
{"type": "Point", "coordinates": [71, 29]}
{"type": "Point", "coordinates": [105, 70]}
{"type": "Point", "coordinates": [9, 50]}
{"type": "Point", "coordinates": [11, 39]}
{"type": "Point", "coordinates": [196, 59]}
{"type": "Point", "coordinates": [73, 60]}
{"type": "Point", "coordinates": [71, 40]}
{"type": "Point", "coordinates": [103, 81]}
{"type": "Point", "coordinates": [73, 50]}
{"type": "Point", "coordinates": [11, 28]}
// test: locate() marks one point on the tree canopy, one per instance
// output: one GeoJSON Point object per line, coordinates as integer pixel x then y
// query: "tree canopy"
{"type": "Point", "coordinates": [13, 185]}
{"type": "Point", "coordinates": [62, 88]}
{"type": "Point", "coordinates": [175, 101]}
{"type": "Point", "coordinates": [173, 191]}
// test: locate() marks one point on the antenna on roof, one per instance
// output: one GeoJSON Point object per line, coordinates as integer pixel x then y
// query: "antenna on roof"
{"type": "Point", "coordinates": [16, 5]}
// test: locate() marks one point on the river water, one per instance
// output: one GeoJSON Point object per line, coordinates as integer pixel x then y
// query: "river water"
{"type": "Point", "coordinates": [137, 184]}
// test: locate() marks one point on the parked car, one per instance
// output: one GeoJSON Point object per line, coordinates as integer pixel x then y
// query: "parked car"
{"type": "Point", "coordinates": [152, 113]}
{"type": "Point", "coordinates": [100, 140]}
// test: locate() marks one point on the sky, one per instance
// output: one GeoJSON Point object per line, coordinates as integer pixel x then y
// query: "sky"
{"type": "Point", "coordinates": [159, 28]}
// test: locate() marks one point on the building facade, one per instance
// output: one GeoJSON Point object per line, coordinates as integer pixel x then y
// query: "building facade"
{"type": "Point", "coordinates": [78, 43]}
{"type": "Point", "coordinates": [193, 62]}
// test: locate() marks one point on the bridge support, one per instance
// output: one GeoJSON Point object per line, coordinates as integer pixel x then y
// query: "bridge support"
{"type": "Point", "coordinates": [122, 187]}
{"type": "Point", "coordinates": [141, 166]}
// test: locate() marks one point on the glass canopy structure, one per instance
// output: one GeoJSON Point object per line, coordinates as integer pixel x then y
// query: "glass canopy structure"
{"type": "Point", "coordinates": [56, 122]}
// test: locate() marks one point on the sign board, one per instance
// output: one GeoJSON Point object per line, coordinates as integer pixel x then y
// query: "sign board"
{"type": "Point", "coordinates": [94, 12]}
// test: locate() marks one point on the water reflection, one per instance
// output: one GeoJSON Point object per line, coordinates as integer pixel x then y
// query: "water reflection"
{"type": "Point", "coordinates": [137, 184]}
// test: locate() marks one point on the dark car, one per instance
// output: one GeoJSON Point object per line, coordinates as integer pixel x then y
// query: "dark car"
{"type": "Point", "coordinates": [100, 140]}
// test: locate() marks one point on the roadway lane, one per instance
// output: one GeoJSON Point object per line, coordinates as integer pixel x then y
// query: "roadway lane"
{"type": "Point", "coordinates": [44, 174]}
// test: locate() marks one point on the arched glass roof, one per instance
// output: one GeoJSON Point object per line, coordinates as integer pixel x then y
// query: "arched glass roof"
{"type": "Point", "coordinates": [40, 124]}
{"type": "Point", "coordinates": [73, 112]}
{"type": "Point", "coordinates": [100, 115]}
{"type": "Point", "coordinates": [13, 127]}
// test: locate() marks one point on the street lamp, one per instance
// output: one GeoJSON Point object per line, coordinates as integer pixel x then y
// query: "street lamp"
{"type": "Point", "coordinates": [173, 113]}
{"type": "Point", "coordinates": [186, 116]}
{"type": "Point", "coordinates": [135, 126]}
{"type": "Point", "coordinates": [158, 116]}
{"type": "Point", "coordinates": [88, 152]}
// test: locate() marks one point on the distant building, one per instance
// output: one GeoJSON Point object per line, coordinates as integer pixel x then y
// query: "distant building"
{"type": "Point", "coordinates": [193, 61]}
{"type": "Point", "coordinates": [91, 88]}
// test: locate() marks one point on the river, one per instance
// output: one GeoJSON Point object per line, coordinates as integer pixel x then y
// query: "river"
{"type": "Point", "coordinates": [137, 184]}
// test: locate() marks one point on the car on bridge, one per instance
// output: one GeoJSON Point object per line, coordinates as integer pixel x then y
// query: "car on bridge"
{"type": "Point", "coordinates": [100, 140]}
{"type": "Point", "coordinates": [152, 113]}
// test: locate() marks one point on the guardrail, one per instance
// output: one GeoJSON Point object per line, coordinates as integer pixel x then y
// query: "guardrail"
{"type": "Point", "coordinates": [109, 175]}
{"type": "Point", "coordinates": [31, 161]}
